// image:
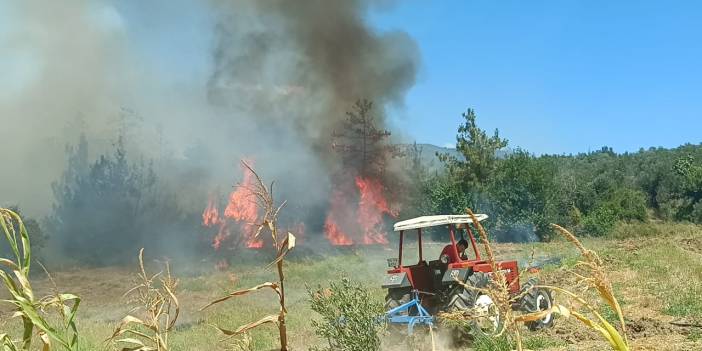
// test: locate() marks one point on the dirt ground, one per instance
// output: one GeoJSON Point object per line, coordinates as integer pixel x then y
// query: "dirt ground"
{"type": "Point", "coordinates": [657, 280]}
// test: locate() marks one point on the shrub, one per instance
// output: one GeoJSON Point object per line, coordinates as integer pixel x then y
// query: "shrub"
{"type": "Point", "coordinates": [628, 204]}
{"type": "Point", "coordinates": [599, 222]}
{"type": "Point", "coordinates": [349, 316]}
{"type": "Point", "coordinates": [622, 205]}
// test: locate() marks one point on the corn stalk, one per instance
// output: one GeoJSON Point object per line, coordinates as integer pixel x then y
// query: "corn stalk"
{"type": "Point", "coordinates": [160, 310]}
{"type": "Point", "coordinates": [592, 274]}
{"type": "Point", "coordinates": [264, 197]}
{"type": "Point", "coordinates": [28, 308]}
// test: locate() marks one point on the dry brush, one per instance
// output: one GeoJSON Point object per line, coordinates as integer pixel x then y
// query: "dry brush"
{"type": "Point", "coordinates": [158, 310]}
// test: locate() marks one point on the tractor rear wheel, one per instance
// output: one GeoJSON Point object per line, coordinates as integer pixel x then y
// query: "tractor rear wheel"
{"type": "Point", "coordinates": [489, 321]}
{"type": "Point", "coordinates": [396, 297]}
{"type": "Point", "coordinates": [537, 300]}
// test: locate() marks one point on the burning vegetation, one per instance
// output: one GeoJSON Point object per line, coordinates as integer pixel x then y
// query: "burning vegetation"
{"type": "Point", "coordinates": [237, 225]}
{"type": "Point", "coordinates": [348, 222]}
{"type": "Point", "coordinates": [361, 223]}
{"type": "Point", "coordinates": [358, 206]}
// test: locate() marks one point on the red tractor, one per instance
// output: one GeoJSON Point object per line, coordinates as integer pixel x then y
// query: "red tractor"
{"type": "Point", "coordinates": [417, 291]}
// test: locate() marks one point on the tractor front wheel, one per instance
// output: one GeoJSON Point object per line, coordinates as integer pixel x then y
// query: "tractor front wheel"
{"type": "Point", "coordinates": [537, 300]}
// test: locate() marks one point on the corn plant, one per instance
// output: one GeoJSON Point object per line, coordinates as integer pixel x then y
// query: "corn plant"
{"type": "Point", "coordinates": [264, 197]}
{"type": "Point", "coordinates": [592, 274]}
{"type": "Point", "coordinates": [159, 310]}
{"type": "Point", "coordinates": [33, 311]}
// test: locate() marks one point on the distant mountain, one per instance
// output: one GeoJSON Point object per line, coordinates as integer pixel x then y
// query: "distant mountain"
{"type": "Point", "coordinates": [431, 161]}
{"type": "Point", "coordinates": [429, 154]}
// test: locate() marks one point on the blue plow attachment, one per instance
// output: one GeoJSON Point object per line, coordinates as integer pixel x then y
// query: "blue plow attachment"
{"type": "Point", "coordinates": [411, 313]}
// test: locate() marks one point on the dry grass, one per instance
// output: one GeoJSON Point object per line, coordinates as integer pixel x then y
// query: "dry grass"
{"type": "Point", "coordinates": [158, 308]}
{"type": "Point", "coordinates": [646, 271]}
{"type": "Point", "coordinates": [648, 282]}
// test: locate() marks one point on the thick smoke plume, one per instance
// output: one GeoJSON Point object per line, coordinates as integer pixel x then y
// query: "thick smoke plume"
{"type": "Point", "coordinates": [281, 76]}
{"type": "Point", "coordinates": [299, 65]}
{"type": "Point", "coordinates": [295, 68]}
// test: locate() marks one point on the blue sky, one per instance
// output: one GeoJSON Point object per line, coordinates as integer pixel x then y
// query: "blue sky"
{"type": "Point", "coordinates": [553, 76]}
{"type": "Point", "coordinates": [556, 76]}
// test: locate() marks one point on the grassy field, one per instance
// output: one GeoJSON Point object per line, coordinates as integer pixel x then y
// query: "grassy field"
{"type": "Point", "coordinates": [657, 275]}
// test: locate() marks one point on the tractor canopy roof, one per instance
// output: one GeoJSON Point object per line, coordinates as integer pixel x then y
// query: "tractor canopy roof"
{"type": "Point", "coordinates": [433, 221]}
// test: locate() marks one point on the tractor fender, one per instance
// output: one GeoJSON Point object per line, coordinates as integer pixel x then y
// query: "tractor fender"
{"type": "Point", "coordinates": [396, 280]}
{"type": "Point", "coordinates": [452, 274]}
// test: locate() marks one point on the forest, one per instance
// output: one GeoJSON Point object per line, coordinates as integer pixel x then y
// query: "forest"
{"type": "Point", "coordinates": [591, 192]}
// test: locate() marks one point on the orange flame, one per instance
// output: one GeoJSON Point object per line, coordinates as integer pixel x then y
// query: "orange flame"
{"type": "Point", "coordinates": [332, 229]}
{"type": "Point", "coordinates": [363, 222]}
{"type": "Point", "coordinates": [371, 208]}
{"type": "Point", "coordinates": [334, 234]}
{"type": "Point", "coordinates": [241, 209]}
{"type": "Point", "coordinates": [211, 215]}
{"type": "Point", "coordinates": [222, 235]}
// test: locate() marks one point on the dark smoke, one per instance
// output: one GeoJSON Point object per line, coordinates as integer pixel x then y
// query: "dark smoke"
{"type": "Point", "coordinates": [295, 68]}
{"type": "Point", "coordinates": [302, 64]}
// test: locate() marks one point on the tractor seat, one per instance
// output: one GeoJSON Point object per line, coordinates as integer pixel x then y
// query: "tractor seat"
{"type": "Point", "coordinates": [422, 276]}
{"type": "Point", "coordinates": [438, 269]}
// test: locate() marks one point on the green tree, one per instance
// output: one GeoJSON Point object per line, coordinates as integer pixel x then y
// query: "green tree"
{"type": "Point", "coordinates": [521, 190]}
{"type": "Point", "coordinates": [689, 188]}
{"type": "Point", "coordinates": [478, 149]}
{"type": "Point", "coordinates": [363, 145]}
{"type": "Point", "coordinates": [590, 191]}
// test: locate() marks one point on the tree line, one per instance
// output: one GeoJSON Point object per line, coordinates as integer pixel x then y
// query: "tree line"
{"type": "Point", "coordinates": [104, 209]}
{"type": "Point", "coordinates": [590, 192]}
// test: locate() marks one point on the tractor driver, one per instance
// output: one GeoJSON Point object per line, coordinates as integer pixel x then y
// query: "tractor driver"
{"type": "Point", "coordinates": [447, 254]}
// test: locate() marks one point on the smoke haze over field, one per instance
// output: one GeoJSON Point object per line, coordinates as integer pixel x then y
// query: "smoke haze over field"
{"type": "Point", "coordinates": [277, 79]}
